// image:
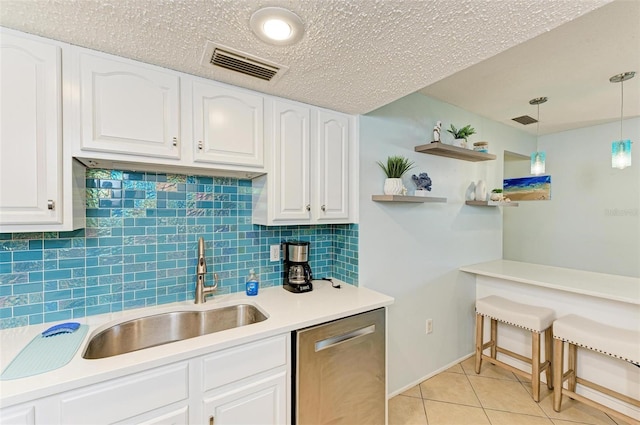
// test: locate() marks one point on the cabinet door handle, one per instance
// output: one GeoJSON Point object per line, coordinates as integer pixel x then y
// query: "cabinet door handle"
{"type": "Point", "coordinates": [51, 205]}
{"type": "Point", "coordinates": [175, 141]}
{"type": "Point", "coordinates": [323, 208]}
{"type": "Point", "coordinates": [308, 207]}
{"type": "Point", "coordinates": [200, 145]}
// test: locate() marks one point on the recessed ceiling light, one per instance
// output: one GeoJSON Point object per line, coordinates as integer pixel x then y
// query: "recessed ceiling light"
{"type": "Point", "coordinates": [276, 25]}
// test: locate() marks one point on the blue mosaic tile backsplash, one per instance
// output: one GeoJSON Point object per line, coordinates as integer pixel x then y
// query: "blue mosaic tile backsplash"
{"type": "Point", "coordinates": [140, 243]}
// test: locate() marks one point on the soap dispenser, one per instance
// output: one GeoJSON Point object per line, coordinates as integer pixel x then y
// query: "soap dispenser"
{"type": "Point", "coordinates": [252, 283]}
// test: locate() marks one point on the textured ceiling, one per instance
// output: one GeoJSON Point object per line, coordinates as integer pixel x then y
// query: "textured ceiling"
{"type": "Point", "coordinates": [570, 65]}
{"type": "Point", "coordinates": [355, 56]}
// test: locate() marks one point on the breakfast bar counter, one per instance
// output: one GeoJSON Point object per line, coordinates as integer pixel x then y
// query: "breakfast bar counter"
{"type": "Point", "coordinates": [605, 298]}
{"type": "Point", "coordinates": [606, 286]}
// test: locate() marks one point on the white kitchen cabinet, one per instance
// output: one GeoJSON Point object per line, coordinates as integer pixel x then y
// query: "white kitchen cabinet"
{"type": "Point", "coordinates": [248, 384]}
{"type": "Point", "coordinates": [146, 393]}
{"type": "Point", "coordinates": [23, 414]}
{"type": "Point", "coordinates": [245, 384]}
{"type": "Point", "coordinates": [258, 401]}
{"type": "Point", "coordinates": [332, 154]}
{"type": "Point", "coordinates": [128, 108]}
{"type": "Point", "coordinates": [227, 126]}
{"type": "Point", "coordinates": [38, 179]}
{"type": "Point", "coordinates": [130, 115]}
{"type": "Point", "coordinates": [311, 167]}
{"type": "Point", "coordinates": [290, 170]}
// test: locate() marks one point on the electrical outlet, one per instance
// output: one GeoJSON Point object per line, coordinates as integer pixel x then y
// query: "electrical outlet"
{"type": "Point", "coordinates": [274, 253]}
{"type": "Point", "coordinates": [429, 327]}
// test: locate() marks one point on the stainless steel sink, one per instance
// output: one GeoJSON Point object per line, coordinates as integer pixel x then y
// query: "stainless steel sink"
{"type": "Point", "coordinates": [164, 328]}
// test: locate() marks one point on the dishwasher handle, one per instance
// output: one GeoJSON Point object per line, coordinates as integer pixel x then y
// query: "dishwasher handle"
{"type": "Point", "coordinates": [339, 339]}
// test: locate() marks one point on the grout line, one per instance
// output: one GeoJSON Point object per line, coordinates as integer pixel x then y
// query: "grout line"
{"type": "Point", "coordinates": [424, 406]}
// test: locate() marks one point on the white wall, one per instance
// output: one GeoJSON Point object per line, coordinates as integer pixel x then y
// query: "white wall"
{"type": "Point", "coordinates": [412, 251]}
{"type": "Point", "coordinates": [592, 221]}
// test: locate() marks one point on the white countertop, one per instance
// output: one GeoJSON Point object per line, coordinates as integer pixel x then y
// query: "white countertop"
{"type": "Point", "coordinates": [286, 312]}
{"type": "Point", "coordinates": [613, 287]}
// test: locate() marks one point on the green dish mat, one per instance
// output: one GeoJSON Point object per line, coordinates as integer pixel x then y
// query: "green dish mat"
{"type": "Point", "coordinates": [45, 354]}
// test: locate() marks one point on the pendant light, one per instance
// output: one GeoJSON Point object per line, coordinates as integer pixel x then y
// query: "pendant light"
{"type": "Point", "coordinates": [538, 158]}
{"type": "Point", "coordinates": [621, 149]}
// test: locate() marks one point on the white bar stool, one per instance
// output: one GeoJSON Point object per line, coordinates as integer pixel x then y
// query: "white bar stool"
{"type": "Point", "coordinates": [532, 318]}
{"type": "Point", "coordinates": [579, 331]}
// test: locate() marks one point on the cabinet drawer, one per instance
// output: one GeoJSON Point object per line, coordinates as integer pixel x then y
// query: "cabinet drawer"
{"type": "Point", "coordinates": [123, 398]}
{"type": "Point", "coordinates": [237, 363]}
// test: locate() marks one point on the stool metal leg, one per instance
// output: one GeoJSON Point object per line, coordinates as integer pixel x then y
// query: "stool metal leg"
{"type": "Point", "coordinates": [548, 356]}
{"type": "Point", "coordinates": [535, 365]}
{"type": "Point", "coordinates": [558, 372]}
{"type": "Point", "coordinates": [479, 340]}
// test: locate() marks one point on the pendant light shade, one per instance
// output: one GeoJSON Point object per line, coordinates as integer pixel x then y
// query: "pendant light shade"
{"type": "Point", "coordinates": [621, 149]}
{"type": "Point", "coordinates": [538, 163]}
{"type": "Point", "coordinates": [538, 159]}
{"type": "Point", "coordinates": [621, 154]}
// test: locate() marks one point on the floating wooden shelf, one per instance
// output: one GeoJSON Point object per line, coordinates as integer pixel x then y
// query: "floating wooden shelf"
{"type": "Point", "coordinates": [400, 198]}
{"type": "Point", "coordinates": [491, 204]}
{"type": "Point", "coordinates": [440, 149]}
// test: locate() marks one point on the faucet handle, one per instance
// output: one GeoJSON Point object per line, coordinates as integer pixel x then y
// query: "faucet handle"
{"type": "Point", "coordinates": [215, 281]}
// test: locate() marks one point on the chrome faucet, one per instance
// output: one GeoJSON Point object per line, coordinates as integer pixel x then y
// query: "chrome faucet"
{"type": "Point", "coordinates": [201, 270]}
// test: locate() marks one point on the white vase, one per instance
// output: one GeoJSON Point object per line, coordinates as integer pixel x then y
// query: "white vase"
{"type": "Point", "coordinates": [481, 191]}
{"type": "Point", "coordinates": [393, 186]}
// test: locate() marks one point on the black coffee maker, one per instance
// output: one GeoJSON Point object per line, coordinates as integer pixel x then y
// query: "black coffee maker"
{"type": "Point", "coordinates": [297, 273]}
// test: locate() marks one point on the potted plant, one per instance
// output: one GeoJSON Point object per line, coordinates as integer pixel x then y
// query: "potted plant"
{"type": "Point", "coordinates": [496, 195]}
{"type": "Point", "coordinates": [394, 169]}
{"type": "Point", "coordinates": [461, 134]}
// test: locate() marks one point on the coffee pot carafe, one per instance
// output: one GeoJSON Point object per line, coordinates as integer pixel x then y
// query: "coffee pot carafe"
{"type": "Point", "coordinates": [297, 274]}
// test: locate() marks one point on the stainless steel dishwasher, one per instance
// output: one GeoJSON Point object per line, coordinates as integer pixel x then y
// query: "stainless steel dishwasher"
{"type": "Point", "coordinates": [339, 372]}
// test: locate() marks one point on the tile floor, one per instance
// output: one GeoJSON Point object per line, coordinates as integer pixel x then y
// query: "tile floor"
{"type": "Point", "coordinates": [458, 396]}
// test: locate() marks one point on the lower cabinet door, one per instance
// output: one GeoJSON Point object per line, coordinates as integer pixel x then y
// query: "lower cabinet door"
{"type": "Point", "coordinates": [18, 415]}
{"type": "Point", "coordinates": [260, 401]}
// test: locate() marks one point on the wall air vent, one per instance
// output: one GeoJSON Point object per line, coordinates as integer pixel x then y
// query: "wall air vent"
{"type": "Point", "coordinates": [224, 58]}
{"type": "Point", "coordinates": [525, 120]}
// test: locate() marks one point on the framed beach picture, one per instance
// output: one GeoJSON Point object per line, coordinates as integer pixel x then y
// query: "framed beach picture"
{"type": "Point", "coordinates": [534, 188]}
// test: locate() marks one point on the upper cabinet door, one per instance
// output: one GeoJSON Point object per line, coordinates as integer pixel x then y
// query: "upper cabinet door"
{"type": "Point", "coordinates": [129, 109]}
{"type": "Point", "coordinates": [291, 197]}
{"type": "Point", "coordinates": [30, 133]}
{"type": "Point", "coordinates": [227, 126]}
{"type": "Point", "coordinates": [333, 167]}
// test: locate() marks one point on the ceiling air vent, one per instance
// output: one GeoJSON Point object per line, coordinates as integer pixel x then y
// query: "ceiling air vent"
{"type": "Point", "coordinates": [239, 62]}
{"type": "Point", "coordinates": [524, 120]}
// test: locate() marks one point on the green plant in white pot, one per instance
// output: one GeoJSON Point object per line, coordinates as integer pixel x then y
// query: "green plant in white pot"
{"type": "Point", "coordinates": [394, 169]}
{"type": "Point", "coordinates": [461, 134]}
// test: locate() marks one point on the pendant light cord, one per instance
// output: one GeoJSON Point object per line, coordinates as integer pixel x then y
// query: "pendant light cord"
{"type": "Point", "coordinates": [538, 125]}
{"type": "Point", "coordinates": [621, 106]}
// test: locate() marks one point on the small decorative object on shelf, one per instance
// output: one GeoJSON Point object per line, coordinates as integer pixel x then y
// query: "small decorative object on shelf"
{"type": "Point", "coordinates": [436, 131]}
{"type": "Point", "coordinates": [470, 193]}
{"type": "Point", "coordinates": [394, 169]}
{"type": "Point", "coordinates": [481, 147]}
{"type": "Point", "coordinates": [423, 184]}
{"type": "Point", "coordinates": [496, 195]}
{"type": "Point", "coordinates": [481, 191]}
{"type": "Point", "coordinates": [461, 135]}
